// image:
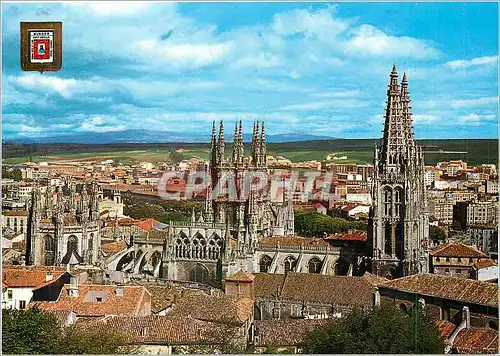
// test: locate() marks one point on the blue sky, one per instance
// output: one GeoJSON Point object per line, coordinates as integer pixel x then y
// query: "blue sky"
{"type": "Point", "coordinates": [315, 68]}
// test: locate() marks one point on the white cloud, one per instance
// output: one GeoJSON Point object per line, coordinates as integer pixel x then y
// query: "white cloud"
{"type": "Point", "coordinates": [179, 55]}
{"type": "Point", "coordinates": [424, 119]}
{"type": "Point", "coordinates": [66, 87]}
{"type": "Point", "coordinates": [111, 8]}
{"type": "Point", "coordinates": [369, 40]}
{"type": "Point", "coordinates": [97, 124]}
{"type": "Point", "coordinates": [464, 64]}
{"type": "Point", "coordinates": [260, 60]}
{"type": "Point", "coordinates": [474, 119]}
{"type": "Point", "coordinates": [320, 24]}
{"type": "Point", "coordinates": [470, 103]}
{"type": "Point", "coordinates": [325, 105]}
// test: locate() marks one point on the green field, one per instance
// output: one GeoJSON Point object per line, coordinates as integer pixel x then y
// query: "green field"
{"type": "Point", "coordinates": [356, 150]}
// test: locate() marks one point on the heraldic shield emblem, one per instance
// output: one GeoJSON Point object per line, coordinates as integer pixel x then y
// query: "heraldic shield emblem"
{"type": "Point", "coordinates": [41, 46]}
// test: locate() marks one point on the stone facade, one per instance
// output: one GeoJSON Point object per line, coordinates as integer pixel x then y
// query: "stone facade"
{"type": "Point", "coordinates": [224, 237]}
{"type": "Point", "coordinates": [399, 216]}
{"type": "Point", "coordinates": [63, 225]}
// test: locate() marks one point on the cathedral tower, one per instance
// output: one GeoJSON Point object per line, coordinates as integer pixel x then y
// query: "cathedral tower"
{"type": "Point", "coordinates": [399, 218]}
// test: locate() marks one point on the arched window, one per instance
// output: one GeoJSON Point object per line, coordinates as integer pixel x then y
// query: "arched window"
{"type": "Point", "coordinates": [91, 242]}
{"type": "Point", "coordinates": [387, 196]}
{"type": "Point", "coordinates": [185, 248]}
{"type": "Point", "coordinates": [49, 250]}
{"type": "Point", "coordinates": [72, 244]}
{"type": "Point", "coordinates": [195, 248]}
{"type": "Point", "coordinates": [314, 265]}
{"type": "Point", "coordinates": [398, 201]}
{"type": "Point", "coordinates": [388, 239]}
{"type": "Point", "coordinates": [178, 248]}
{"type": "Point", "coordinates": [155, 259]}
{"type": "Point", "coordinates": [203, 249]}
{"type": "Point", "coordinates": [265, 263]}
{"type": "Point", "coordinates": [199, 273]}
{"type": "Point", "coordinates": [290, 263]}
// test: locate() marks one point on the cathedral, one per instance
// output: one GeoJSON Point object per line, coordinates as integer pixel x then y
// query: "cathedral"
{"type": "Point", "coordinates": [399, 219]}
{"type": "Point", "coordinates": [223, 239]}
{"type": "Point", "coordinates": [64, 225]}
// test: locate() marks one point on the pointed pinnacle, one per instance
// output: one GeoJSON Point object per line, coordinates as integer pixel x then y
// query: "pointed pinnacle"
{"type": "Point", "coordinates": [405, 80]}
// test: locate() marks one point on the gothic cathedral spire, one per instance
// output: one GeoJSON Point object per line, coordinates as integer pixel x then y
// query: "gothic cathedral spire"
{"type": "Point", "coordinates": [399, 221]}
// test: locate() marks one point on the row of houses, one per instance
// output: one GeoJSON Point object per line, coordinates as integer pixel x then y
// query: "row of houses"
{"type": "Point", "coordinates": [260, 310]}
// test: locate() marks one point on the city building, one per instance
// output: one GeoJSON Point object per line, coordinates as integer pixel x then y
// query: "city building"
{"type": "Point", "coordinates": [22, 285]}
{"type": "Point", "coordinates": [455, 260]}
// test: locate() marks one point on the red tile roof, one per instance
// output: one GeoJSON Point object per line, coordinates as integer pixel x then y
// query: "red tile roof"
{"type": "Point", "coordinates": [224, 308]}
{"type": "Point", "coordinates": [484, 264]}
{"type": "Point", "coordinates": [114, 247]}
{"type": "Point", "coordinates": [316, 288]}
{"type": "Point", "coordinates": [293, 241]}
{"type": "Point", "coordinates": [456, 250]}
{"type": "Point", "coordinates": [459, 289]}
{"type": "Point", "coordinates": [445, 328]}
{"type": "Point", "coordinates": [136, 300]}
{"type": "Point", "coordinates": [27, 277]}
{"type": "Point", "coordinates": [153, 329]}
{"type": "Point", "coordinates": [476, 341]}
{"type": "Point", "coordinates": [349, 236]}
{"type": "Point", "coordinates": [241, 276]}
{"type": "Point", "coordinates": [286, 332]}
{"type": "Point", "coordinates": [147, 224]}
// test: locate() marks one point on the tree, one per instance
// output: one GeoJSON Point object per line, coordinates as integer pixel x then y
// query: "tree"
{"type": "Point", "coordinates": [383, 330]}
{"type": "Point", "coordinates": [436, 234]}
{"type": "Point", "coordinates": [29, 332]}
{"type": "Point", "coordinates": [34, 331]}
{"type": "Point", "coordinates": [95, 340]}
{"type": "Point", "coordinates": [316, 224]}
{"type": "Point", "coordinates": [11, 173]}
{"type": "Point", "coordinates": [140, 210]}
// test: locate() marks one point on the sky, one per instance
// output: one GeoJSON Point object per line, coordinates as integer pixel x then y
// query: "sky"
{"type": "Point", "coordinates": [305, 68]}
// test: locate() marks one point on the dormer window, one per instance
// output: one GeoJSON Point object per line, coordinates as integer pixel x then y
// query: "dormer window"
{"type": "Point", "coordinates": [98, 299]}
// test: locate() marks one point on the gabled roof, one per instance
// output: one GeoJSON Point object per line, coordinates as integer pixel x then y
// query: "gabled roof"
{"type": "Point", "coordinates": [445, 328]}
{"type": "Point", "coordinates": [164, 330]}
{"type": "Point", "coordinates": [29, 277]}
{"type": "Point", "coordinates": [86, 304]}
{"type": "Point", "coordinates": [484, 264]}
{"type": "Point", "coordinates": [223, 308]}
{"type": "Point", "coordinates": [349, 236]}
{"type": "Point", "coordinates": [459, 289]}
{"type": "Point", "coordinates": [476, 341]}
{"type": "Point", "coordinates": [163, 297]}
{"type": "Point", "coordinates": [456, 250]}
{"type": "Point", "coordinates": [240, 276]}
{"type": "Point", "coordinates": [147, 224]}
{"type": "Point", "coordinates": [114, 247]}
{"type": "Point", "coordinates": [315, 288]}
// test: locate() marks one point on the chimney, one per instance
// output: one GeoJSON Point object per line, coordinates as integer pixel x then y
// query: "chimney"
{"type": "Point", "coordinates": [48, 276]}
{"type": "Point", "coordinates": [466, 316]}
{"type": "Point", "coordinates": [376, 297]}
{"type": "Point", "coordinates": [73, 287]}
{"type": "Point", "coordinates": [119, 290]}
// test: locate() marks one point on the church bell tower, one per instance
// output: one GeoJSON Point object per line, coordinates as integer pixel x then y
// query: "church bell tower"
{"type": "Point", "coordinates": [399, 220]}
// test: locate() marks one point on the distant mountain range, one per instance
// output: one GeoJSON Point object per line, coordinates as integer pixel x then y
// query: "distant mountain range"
{"type": "Point", "coordinates": [144, 136]}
